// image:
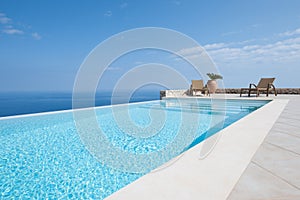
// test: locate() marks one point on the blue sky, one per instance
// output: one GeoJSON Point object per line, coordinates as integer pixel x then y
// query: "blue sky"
{"type": "Point", "coordinates": [43, 43]}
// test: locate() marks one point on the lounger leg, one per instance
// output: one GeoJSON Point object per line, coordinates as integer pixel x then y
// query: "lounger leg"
{"type": "Point", "coordinates": [275, 92]}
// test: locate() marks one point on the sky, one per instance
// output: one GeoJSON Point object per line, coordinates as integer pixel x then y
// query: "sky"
{"type": "Point", "coordinates": [44, 43]}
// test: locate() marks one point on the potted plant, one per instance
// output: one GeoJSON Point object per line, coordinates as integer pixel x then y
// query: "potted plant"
{"type": "Point", "coordinates": [212, 83]}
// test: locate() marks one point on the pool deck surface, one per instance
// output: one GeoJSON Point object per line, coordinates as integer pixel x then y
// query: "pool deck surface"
{"type": "Point", "coordinates": [274, 171]}
{"type": "Point", "coordinates": [257, 157]}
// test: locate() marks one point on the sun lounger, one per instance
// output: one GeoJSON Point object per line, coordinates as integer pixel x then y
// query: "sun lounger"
{"type": "Point", "coordinates": [264, 85]}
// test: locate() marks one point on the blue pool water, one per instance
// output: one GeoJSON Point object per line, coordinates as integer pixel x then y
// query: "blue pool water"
{"type": "Point", "coordinates": [44, 156]}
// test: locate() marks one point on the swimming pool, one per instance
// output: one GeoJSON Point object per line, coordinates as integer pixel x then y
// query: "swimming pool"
{"type": "Point", "coordinates": [43, 156]}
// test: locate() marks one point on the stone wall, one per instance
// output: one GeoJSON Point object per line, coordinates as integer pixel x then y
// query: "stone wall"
{"type": "Point", "coordinates": [279, 91]}
{"type": "Point", "coordinates": [178, 93]}
{"type": "Point", "coordinates": [288, 90]}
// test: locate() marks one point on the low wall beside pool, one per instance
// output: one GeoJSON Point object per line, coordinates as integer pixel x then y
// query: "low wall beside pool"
{"type": "Point", "coordinates": [182, 93]}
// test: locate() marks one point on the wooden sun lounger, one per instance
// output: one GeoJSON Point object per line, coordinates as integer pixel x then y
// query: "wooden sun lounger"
{"type": "Point", "coordinates": [198, 86]}
{"type": "Point", "coordinates": [264, 85]}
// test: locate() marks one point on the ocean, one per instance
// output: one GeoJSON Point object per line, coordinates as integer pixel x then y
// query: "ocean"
{"type": "Point", "coordinates": [17, 103]}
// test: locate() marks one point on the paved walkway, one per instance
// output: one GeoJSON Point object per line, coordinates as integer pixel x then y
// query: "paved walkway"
{"type": "Point", "coordinates": [274, 171]}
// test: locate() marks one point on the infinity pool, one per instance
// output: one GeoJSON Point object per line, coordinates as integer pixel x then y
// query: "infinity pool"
{"type": "Point", "coordinates": [49, 156]}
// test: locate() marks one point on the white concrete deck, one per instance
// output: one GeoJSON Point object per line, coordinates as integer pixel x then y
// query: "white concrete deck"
{"type": "Point", "coordinates": [245, 164]}
{"type": "Point", "coordinates": [273, 172]}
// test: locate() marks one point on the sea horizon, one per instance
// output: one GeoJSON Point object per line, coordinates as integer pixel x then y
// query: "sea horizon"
{"type": "Point", "coordinates": [29, 102]}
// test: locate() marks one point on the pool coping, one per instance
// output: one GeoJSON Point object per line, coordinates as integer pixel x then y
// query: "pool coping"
{"type": "Point", "coordinates": [215, 176]}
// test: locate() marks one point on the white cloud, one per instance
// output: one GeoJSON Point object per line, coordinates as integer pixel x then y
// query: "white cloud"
{"type": "Point", "coordinates": [255, 25]}
{"type": "Point", "coordinates": [231, 33]}
{"type": "Point", "coordinates": [4, 19]}
{"type": "Point", "coordinates": [190, 51]}
{"type": "Point", "coordinates": [214, 46]}
{"type": "Point", "coordinates": [290, 33]}
{"type": "Point", "coordinates": [9, 27]}
{"type": "Point", "coordinates": [123, 5]}
{"type": "Point", "coordinates": [245, 61]}
{"type": "Point", "coordinates": [110, 68]}
{"type": "Point", "coordinates": [12, 31]}
{"type": "Point", "coordinates": [250, 51]}
{"type": "Point", "coordinates": [36, 36]}
{"type": "Point", "coordinates": [108, 13]}
{"type": "Point", "coordinates": [279, 51]}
